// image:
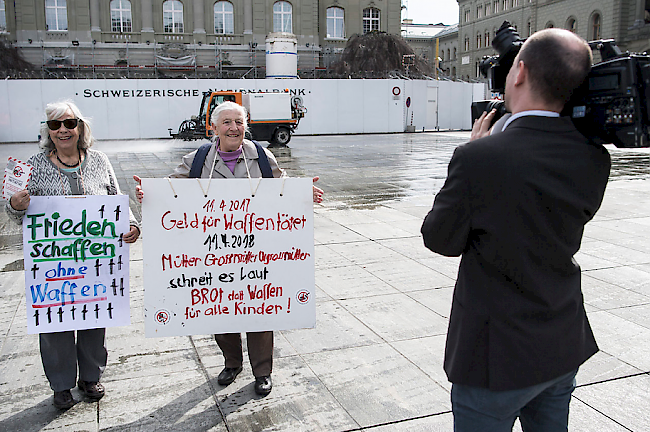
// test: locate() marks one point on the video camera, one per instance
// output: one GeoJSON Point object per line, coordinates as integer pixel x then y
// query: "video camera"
{"type": "Point", "coordinates": [611, 106]}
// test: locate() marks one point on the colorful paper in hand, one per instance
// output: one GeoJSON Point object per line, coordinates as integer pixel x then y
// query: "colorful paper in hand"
{"type": "Point", "coordinates": [17, 175]}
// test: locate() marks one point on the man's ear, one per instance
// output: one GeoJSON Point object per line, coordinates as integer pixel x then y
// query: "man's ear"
{"type": "Point", "coordinates": [522, 73]}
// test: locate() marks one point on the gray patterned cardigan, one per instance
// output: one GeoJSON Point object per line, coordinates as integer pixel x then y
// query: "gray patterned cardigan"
{"type": "Point", "coordinates": [98, 179]}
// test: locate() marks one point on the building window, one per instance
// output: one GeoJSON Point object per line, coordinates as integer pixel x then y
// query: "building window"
{"type": "Point", "coordinates": [515, 3]}
{"type": "Point", "coordinates": [121, 16]}
{"type": "Point", "coordinates": [571, 24]}
{"type": "Point", "coordinates": [488, 6]}
{"type": "Point", "coordinates": [282, 21]}
{"type": "Point", "coordinates": [529, 29]}
{"type": "Point", "coordinates": [468, 15]}
{"type": "Point", "coordinates": [595, 27]}
{"type": "Point", "coordinates": [3, 17]}
{"type": "Point", "coordinates": [224, 21]}
{"type": "Point", "coordinates": [487, 38]}
{"type": "Point", "coordinates": [335, 22]}
{"type": "Point", "coordinates": [455, 54]}
{"type": "Point", "coordinates": [478, 40]}
{"type": "Point", "coordinates": [504, 5]}
{"type": "Point", "coordinates": [496, 6]}
{"type": "Point", "coordinates": [442, 55]}
{"type": "Point", "coordinates": [466, 43]}
{"type": "Point", "coordinates": [370, 20]}
{"type": "Point", "coordinates": [448, 54]}
{"type": "Point", "coordinates": [173, 16]}
{"type": "Point", "coordinates": [479, 12]}
{"type": "Point", "coordinates": [550, 24]}
{"type": "Point", "coordinates": [56, 15]}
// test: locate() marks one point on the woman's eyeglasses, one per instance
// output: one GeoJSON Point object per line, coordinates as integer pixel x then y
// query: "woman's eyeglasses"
{"type": "Point", "coordinates": [68, 123]}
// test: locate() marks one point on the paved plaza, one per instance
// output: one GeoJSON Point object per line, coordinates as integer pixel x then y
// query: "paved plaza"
{"type": "Point", "coordinates": [374, 360]}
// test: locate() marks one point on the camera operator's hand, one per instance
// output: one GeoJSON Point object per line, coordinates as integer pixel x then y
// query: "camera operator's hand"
{"type": "Point", "coordinates": [481, 127]}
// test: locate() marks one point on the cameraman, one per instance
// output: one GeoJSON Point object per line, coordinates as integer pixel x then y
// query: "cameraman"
{"type": "Point", "coordinates": [514, 205]}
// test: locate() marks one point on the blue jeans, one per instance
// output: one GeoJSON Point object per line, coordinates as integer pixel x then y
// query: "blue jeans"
{"type": "Point", "coordinates": [540, 408]}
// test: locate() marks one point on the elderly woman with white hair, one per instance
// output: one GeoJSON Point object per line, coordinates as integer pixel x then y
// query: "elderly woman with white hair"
{"type": "Point", "coordinates": [68, 166]}
{"type": "Point", "coordinates": [232, 156]}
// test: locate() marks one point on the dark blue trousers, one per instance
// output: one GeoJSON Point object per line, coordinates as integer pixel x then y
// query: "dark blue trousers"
{"type": "Point", "coordinates": [540, 408]}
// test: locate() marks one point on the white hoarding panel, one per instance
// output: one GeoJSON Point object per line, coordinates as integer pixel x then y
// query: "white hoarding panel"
{"type": "Point", "coordinates": [350, 105]}
{"type": "Point", "coordinates": [228, 259]}
{"type": "Point", "coordinates": [432, 106]}
{"type": "Point", "coordinates": [324, 109]}
{"type": "Point", "coordinates": [26, 109]}
{"type": "Point", "coordinates": [396, 91]}
{"type": "Point", "coordinates": [6, 130]}
{"type": "Point", "coordinates": [375, 106]}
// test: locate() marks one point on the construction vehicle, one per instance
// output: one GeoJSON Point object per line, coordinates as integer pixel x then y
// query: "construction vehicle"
{"type": "Point", "coordinates": [272, 117]}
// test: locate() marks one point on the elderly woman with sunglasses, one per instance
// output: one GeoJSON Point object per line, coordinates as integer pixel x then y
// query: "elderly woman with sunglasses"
{"type": "Point", "coordinates": [67, 166]}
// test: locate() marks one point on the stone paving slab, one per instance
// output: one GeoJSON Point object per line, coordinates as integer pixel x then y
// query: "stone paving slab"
{"type": "Point", "coordinates": [374, 360]}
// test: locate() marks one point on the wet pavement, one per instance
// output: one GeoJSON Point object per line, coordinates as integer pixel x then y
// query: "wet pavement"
{"type": "Point", "coordinates": [373, 362]}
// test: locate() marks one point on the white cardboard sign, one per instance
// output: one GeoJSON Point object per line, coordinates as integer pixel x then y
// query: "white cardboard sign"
{"type": "Point", "coordinates": [76, 264]}
{"type": "Point", "coordinates": [227, 256]}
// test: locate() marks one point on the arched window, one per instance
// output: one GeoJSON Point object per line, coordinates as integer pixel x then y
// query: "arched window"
{"type": "Point", "coordinates": [56, 15]}
{"type": "Point", "coordinates": [121, 16]}
{"type": "Point", "coordinates": [370, 20]}
{"type": "Point", "coordinates": [595, 27]}
{"type": "Point", "coordinates": [529, 28]}
{"type": "Point", "coordinates": [466, 43]}
{"type": "Point", "coordinates": [173, 16]}
{"type": "Point", "coordinates": [335, 22]}
{"type": "Point", "coordinates": [571, 24]}
{"type": "Point", "coordinates": [282, 13]}
{"type": "Point", "coordinates": [442, 55]}
{"type": "Point", "coordinates": [453, 71]}
{"type": "Point", "coordinates": [478, 40]}
{"type": "Point", "coordinates": [224, 21]}
{"type": "Point", "coordinates": [455, 54]}
{"type": "Point", "coordinates": [487, 38]}
{"type": "Point", "coordinates": [448, 54]}
{"type": "Point", "coordinates": [550, 24]}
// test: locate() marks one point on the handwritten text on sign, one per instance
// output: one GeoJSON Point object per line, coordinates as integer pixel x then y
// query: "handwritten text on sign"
{"type": "Point", "coordinates": [229, 261]}
{"type": "Point", "coordinates": [76, 264]}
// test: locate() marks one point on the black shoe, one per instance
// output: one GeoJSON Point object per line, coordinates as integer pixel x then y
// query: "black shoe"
{"type": "Point", "coordinates": [63, 399]}
{"type": "Point", "coordinates": [263, 385]}
{"type": "Point", "coordinates": [228, 375]}
{"type": "Point", "coordinates": [92, 389]}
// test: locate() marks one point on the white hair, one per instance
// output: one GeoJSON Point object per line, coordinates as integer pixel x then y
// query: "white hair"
{"type": "Point", "coordinates": [229, 106]}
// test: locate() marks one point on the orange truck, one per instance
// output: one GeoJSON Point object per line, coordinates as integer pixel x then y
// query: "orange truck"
{"type": "Point", "coordinates": [272, 117]}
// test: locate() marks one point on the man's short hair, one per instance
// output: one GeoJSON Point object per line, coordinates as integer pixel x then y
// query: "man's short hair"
{"type": "Point", "coordinates": [558, 61]}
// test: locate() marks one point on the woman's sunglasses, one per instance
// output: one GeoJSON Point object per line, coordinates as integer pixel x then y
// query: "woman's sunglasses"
{"type": "Point", "coordinates": [68, 123]}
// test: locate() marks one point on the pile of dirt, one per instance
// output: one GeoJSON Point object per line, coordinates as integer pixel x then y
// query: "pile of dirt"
{"type": "Point", "coordinates": [378, 55]}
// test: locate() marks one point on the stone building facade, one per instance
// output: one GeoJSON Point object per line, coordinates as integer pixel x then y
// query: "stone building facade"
{"type": "Point", "coordinates": [224, 38]}
{"type": "Point", "coordinates": [626, 21]}
{"type": "Point", "coordinates": [423, 39]}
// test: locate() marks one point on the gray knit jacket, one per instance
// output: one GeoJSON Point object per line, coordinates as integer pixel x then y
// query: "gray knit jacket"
{"type": "Point", "coordinates": [98, 179]}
